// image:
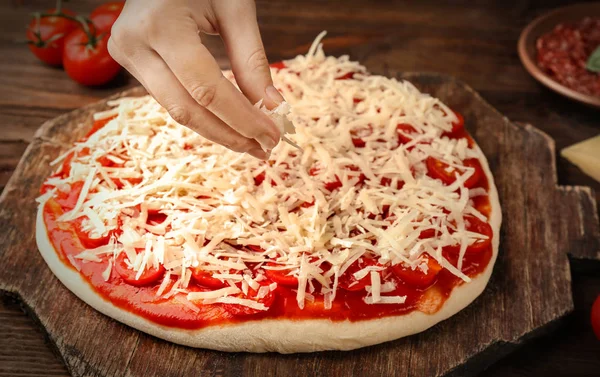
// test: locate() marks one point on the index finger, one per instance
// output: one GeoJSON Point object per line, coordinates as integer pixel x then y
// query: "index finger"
{"type": "Point", "coordinates": [199, 73]}
{"type": "Point", "coordinates": [249, 62]}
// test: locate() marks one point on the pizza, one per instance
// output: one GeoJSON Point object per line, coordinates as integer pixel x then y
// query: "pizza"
{"type": "Point", "coordinates": [384, 222]}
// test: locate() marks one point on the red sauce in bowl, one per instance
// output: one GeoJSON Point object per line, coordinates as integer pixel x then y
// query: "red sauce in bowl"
{"type": "Point", "coordinates": [563, 53]}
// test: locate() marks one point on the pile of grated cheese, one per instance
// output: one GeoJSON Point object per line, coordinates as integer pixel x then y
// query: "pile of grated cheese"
{"type": "Point", "coordinates": [213, 206]}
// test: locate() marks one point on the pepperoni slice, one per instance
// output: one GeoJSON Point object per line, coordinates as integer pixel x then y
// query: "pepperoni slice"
{"type": "Point", "coordinates": [150, 275]}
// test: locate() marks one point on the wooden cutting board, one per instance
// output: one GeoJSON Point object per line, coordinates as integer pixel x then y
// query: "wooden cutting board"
{"type": "Point", "coordinates": [529, 290]}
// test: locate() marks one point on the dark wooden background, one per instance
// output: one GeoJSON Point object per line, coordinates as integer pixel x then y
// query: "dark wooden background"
{"type": "Point", "coordinates": [474, 40]}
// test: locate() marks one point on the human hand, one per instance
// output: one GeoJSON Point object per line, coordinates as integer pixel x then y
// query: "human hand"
{"type": "Point", "coordinates": [159, 42]}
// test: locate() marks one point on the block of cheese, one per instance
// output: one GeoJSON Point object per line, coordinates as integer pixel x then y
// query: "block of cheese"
{"type": "Point", "coordinates": [586, 156]}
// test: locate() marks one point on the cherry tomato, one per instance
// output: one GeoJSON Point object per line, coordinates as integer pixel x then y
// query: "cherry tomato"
{"type": "Point", "coordinates": [260, 178]}
{"type": "Point", "coordinates": [386, 181]}
{"type": "Point", "coordinates": [241, 310]}
{"type": "Point", "coordinates": [87, 240]}
{"type": "Point", "coordinates": [358, 142]}
{"type": "Point", "coordinates": [133, 181]}
{"type": "Point", "coordinates": [308, 204]}
{"type": "Point", "coordinates": [46, 36]}
{"type": "Point", "coordinates": [349, 283]}
{"type": "Point", "coordinates": [333, 185]}
{"type": "Point", "coordinates": [417, 277]}
{"type": "Point", "coordinates": [108, 163]}
{"type": "Point", "coordinates": [98, 125]}
{"type": "Point", "coordinates": [86, 59]}
{"type": "Point", "coordinates": [457, 127]}
{"type": "Point", "coordinates": [329, 186]}
{"type": "Point", "coordinates": [403, 129]}
{"type": "Point", "coordinates": [255, 248]}
{"type": "Point", "coordinates": [314, 170]}
{"type": "Point", "coordinates": [427, 233]}
{"type": "Point", "coordinates": [595, 317]}
{"type": "Point", "coordinates": [473, 224]}
{"type": "Point", "coordinates": [359, 134]}
{"type": "Point", "coordinates": [155, 217]}
{"type": "Point", "coordinates": [206, 279]}
{"type": "Point", "coordinates": [346, 76]}
{"type": "Point", "coordinates": [477, 173]}
{"type": "Point", "coordinates": [67, 200]}
{"type": "Point", "coordinates": [46, 187]}
{"type": "Point", "coordinates": [438, 169]}
{"type": "Point", "coordinates": [65, 169]}
{"type": "Point", "coordinates": [361, 177]}
{"type": "Point", "coordinates": [148, 277]}
{"type": "Point", "coordinates": [104, 16]}
{"type": "Point", "coordinates": [282, 277]}
{"type": "Point", "coordinates": [277, 65]}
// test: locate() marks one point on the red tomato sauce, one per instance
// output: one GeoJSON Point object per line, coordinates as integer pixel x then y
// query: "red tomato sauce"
{"type": "Point", "coordinates": [348, 305]}
{"type": "Point", "coordinates": [563, 52]}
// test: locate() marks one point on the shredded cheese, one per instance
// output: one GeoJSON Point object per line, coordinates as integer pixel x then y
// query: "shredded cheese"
{"type": "Point", "coordinates": [313, 212]}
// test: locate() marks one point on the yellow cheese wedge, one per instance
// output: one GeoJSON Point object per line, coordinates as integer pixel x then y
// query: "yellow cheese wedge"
{"type": "Point", "coordinates": [586, 156]}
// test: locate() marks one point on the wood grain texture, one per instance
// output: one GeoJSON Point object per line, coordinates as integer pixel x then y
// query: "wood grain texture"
{"type": "Point", "coordinates": [473, 40]}
{"type": "Point", "coordinates": [531, 278]}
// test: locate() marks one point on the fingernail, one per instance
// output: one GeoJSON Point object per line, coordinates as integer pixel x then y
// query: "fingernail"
{"type": "Point", "coordinates": [274, 95]}
{"type": "Point", "coordinates": [259, 153]}
{"type": "Point", "coordinates": [266, 142]}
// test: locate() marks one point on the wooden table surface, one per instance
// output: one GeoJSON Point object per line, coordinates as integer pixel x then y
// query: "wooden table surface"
{"type": "Point", "coordinates": [473, 40]}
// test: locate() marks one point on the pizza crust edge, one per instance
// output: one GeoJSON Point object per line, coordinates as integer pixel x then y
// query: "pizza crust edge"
{"type": "Point", "coordinates": [284, 335]}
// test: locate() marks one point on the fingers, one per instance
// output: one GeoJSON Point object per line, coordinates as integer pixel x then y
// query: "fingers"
{"type": "Point", "coordinates": [198, 72]}
{"type": "Point", "coordinates": [166, 89]}
{"type": "Point", "coordinates": [249, 62]}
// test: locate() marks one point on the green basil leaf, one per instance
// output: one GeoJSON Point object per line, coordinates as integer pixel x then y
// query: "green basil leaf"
{"type": "Point", "coordinates": [593, 63]}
